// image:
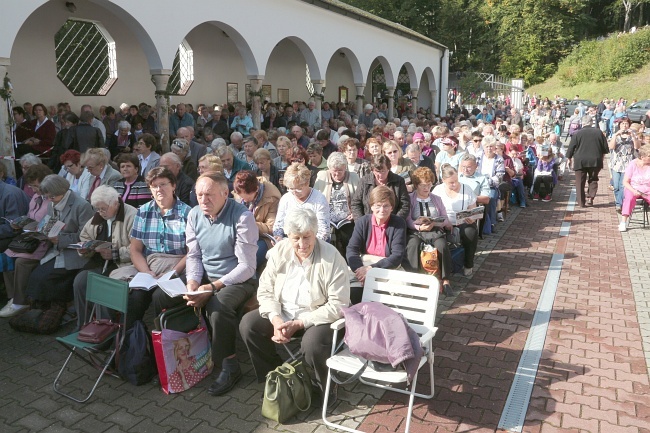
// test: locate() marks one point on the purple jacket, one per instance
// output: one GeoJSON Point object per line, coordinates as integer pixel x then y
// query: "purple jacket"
{"type": "Point", "coordinates": [376, 332]}
{"type": "Point", "coordinates": [547, 166]}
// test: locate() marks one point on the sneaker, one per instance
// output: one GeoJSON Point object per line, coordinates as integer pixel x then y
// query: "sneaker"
{"type": "Point", "coordinates": [536, 196]}
{"type": "Point", "coordinates": [10, 310]}
{"type": "Point", "coordinates": [622, 227]}
{"type": "Point", "coordinates": [547, 198]}
{"type": "Point", "coordinates": [522, 205]}
{"type": "Point", "coordinates": [500, 217]}
{"type": "Point", "coordinates": [467, 271]}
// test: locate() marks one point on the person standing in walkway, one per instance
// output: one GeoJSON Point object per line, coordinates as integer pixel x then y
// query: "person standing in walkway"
{"type": "Point", "coordinates": [585, 155]}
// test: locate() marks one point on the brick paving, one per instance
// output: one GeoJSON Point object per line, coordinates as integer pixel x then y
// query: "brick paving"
{"type": "Point", "coordinates": [593, 374]}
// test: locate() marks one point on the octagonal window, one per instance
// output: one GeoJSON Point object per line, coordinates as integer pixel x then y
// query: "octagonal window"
{"type": "Point", "coordinates": [182, 75]}
{"type": "Point", "coordinates": [85, 57]}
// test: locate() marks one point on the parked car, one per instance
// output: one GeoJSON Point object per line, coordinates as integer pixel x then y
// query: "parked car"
{"type": "Point", "coordinates": [637, 110]}
{"type": "Point", "coordinates": [573, 103]}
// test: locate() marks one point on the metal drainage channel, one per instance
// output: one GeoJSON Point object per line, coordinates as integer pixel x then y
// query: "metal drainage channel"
{"type": "Point", "coordinates": [514, 412]}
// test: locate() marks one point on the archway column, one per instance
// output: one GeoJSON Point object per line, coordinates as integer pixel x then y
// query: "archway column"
{"type": "Point", "coordinates": [434, 94]}
{"type": "Point", "coordinates": [160, 79]}
{"type": "Point", "coordinates": [256, 101]}
{"type": "Point", "coordinates": [391, 104]}
{"type": "Point", "coordinates": [414, 101]}
{"type": "Point", "coordinates": [318, 96]}
{"type": "Point", "coordinates": [6, 145]}
{"type": "Point", "coordinates": [360, 90]}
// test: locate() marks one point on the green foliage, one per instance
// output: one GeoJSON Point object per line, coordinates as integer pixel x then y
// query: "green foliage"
{"type": "Point", "coordinates": [606, 60]}
{"type": "Point", "coordinates": [516, 38]}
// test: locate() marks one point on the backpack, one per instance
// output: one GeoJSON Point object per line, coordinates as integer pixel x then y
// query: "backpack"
{"type": "Point", "coordinates": [39, 321]}
{"type": "Point", "coordinates": [135, 361]}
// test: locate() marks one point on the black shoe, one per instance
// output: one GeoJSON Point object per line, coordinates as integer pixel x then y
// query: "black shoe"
{"type": "Point", "coordinates": [317, 396]}
{"type": "Point", "coordinates": [448, 291]}
{"type": "Point", "coordinates": [225, 382]}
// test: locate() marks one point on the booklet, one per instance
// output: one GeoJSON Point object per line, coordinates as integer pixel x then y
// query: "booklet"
{"type": "Point", "coordinates": [47, 228]}
{"type": "Point", "coordinates": [172, 286]}
{"type": "Point", "coordinates": [474, 214]}
{"type": "Point", "coordinates": [437, 221]}
{"type": "Point", "coordinates": [92, 245]}
{"type": "Point", "coordinates": [340, 224]}
{"type": "Point", "coordinates": [24, 222]}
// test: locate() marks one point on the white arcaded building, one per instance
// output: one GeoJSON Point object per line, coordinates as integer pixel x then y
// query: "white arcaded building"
{"type": "Point", "coordinates": [214, 51]}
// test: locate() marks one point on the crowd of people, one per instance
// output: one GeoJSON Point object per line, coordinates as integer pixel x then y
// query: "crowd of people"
{"type": "Point", "coordinates": [296, 212]}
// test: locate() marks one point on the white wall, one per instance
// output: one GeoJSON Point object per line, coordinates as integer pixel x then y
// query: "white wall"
{"type": "Point", "coordinates": [217, 61]}
{"type": "Point", "coordinates": [33, 64]}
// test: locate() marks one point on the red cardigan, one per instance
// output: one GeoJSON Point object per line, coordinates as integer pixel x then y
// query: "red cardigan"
{"type": "Point", "coordinates": [45, 133]}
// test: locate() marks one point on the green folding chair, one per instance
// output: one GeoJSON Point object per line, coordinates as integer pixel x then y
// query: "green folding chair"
{"type": "Point", "coordinates": [101, 291]}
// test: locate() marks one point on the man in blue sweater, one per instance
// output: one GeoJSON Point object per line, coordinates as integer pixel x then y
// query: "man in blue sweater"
{"type": "Point", "coordinates": [222, 243]}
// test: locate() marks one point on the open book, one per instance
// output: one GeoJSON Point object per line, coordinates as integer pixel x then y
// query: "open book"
{"type": "Point", "coordinates": [92, 245]}
{"type": "Point", "coordinates": [437, 221]}
{"type": "Point", "coordinates": [172, 286]}
{"type": "Point", "coordinates": [341, 223]}
{"type": "Point", "coordinates": [475, 214]}
{"type": "Point", "coordinates": [47, 228]}
{"type": "Point", "coordinates": [24, 222]}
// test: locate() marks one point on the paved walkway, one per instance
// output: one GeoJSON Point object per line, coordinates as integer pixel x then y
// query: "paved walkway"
{"type": "Point", "coordinates": [593, 373]}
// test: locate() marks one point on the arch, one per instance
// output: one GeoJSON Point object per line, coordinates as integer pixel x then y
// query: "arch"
{"type": "Point", "coordinates": [146, 42]}
{"type": "Point", "coordinates": [391, 79]}
{"type": "Point", "coordinates": [357, 73]}
{"type": "Point", "coordinates": [308, 54]}
{"type": "Point", "coordinates": [250, 62]}
{"type": "Point", "coordinates": [413, 78]}
{"type": "Point", "coordinates": [431, 78]}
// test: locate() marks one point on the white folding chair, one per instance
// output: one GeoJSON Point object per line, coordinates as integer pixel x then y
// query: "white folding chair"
{"type": "Point", "coordinates": [414, 296]}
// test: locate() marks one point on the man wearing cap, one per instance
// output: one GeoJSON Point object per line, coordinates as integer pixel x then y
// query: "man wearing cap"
{"type": "Point", "coordinates": [585, 156]}
{"type": "Point", "coordinates": [368, 116]}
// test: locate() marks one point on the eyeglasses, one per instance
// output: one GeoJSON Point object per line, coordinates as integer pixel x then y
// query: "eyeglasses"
{"type": "Point", "coordinates": [159, 186]}
{"type": "Point", "coordinates": [295, 190]}
{"type": "Point", "coordinates": [477, 141]}
{"type": "Point", "coordinates": [391, 152]}
{"type": "Point", "coordinates": [100, 209]}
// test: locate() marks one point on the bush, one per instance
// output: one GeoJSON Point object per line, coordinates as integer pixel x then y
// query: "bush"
{"type": "Point", "coordinates": [606, 60]}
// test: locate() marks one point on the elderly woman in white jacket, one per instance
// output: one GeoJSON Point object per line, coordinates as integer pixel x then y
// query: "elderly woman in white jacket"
{"type": "Point", "coordinates": [301, 292]}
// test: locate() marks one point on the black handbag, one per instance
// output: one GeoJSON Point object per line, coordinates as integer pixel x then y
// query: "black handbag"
{"type": "Point", "coordinates": [24, 243]}
{"type": "Point", "coordinates": [181, 318]}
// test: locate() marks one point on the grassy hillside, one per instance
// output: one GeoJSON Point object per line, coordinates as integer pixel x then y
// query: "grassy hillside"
{"type": "Point", "coordinates": [632, 86]}
{"type": "Point", "coordinates": [613, 67]}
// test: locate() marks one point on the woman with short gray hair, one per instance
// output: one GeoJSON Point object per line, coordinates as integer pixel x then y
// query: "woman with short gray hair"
{"type": "Point", "coordinates": [319, 294]}
{"type": "Point", "coordinates": [122, 141]}
{"type": "Point", "coordinates": [301, 195]}
{"type": "Point", "coordinates": [338, 185]}
{"type": "Point", "coordinates": [113, 253]}
{"type": "Point", "coordinates": [60, 264]}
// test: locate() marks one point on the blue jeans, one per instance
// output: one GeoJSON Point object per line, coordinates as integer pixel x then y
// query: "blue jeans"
{"type": "Point", "coordinates": [262, 248]}
{"type": "Point", "coordinates": [492, 206]}
{"type": "Point", "coordinates": [617, 181]}
{"type": "Point", "coordinates": [518, 185]}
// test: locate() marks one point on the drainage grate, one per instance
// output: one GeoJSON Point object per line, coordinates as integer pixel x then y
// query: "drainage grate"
{"type": "Point", "coordinates": [514, 412]}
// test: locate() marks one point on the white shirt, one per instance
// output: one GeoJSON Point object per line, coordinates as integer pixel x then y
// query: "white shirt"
{"type": "Point", "coordinates": [462, 201]}
{"type": "Point", "coordinates": [295, 296]}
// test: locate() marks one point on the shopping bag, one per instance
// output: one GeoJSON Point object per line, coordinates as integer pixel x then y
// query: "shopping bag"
{"type": "Point", "coordinates": [183, 359]}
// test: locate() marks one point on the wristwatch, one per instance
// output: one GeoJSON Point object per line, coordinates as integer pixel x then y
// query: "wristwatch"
{"type": "Point", "coordinates": [214, 289]}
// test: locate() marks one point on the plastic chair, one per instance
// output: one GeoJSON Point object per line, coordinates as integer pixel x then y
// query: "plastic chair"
{"type": "Point", "coordinates": [106, 292]}
{"type": "Point", "coordinates": [414, 296]}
